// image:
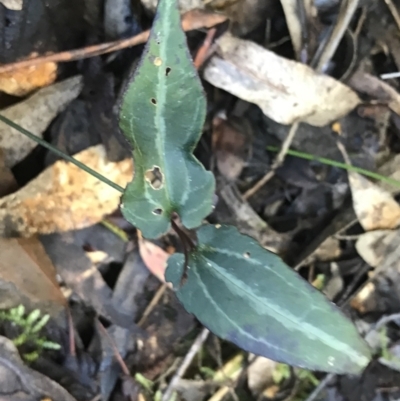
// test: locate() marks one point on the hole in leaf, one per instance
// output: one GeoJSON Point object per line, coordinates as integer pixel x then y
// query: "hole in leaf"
{"type": "Point", "coordinates": [154, 101]}
{"type": "Point", "coordinates": [154, 177]}
{"type": "Point", "coordinates": [157, 211]}
{"type": "Point", "coordinates": [246, 255]}
{"type": "Point", "coordinates": [167, 71]}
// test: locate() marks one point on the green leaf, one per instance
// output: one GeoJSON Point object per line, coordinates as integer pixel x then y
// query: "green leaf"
{"type": "Point", "coordinates": [162, 114]}
{"type": "Point", "coordinates": [34, 315]}
{"type": "Point", "coordinates": [247, 295]}
{"type": "Point", "coordinates": [40, 324]}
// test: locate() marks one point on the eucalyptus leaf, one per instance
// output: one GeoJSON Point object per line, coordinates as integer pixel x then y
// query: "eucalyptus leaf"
{"type": "Point", "coordinates": [162, 115]}
{"type": "Point", "coordinates": [249, 296]}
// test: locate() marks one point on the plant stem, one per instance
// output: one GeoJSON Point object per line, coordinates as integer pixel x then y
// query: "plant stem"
{"type": "Point", "coordinates": [187, 244]}
{"type": "Point", "coordinates": [58, 152]}
{"type": "Point", "coordinates": [335, 163]}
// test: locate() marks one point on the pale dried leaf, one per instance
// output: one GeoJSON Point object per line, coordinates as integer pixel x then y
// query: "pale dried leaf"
{"type": "Point", "coordinates": [35, 114]}
{"type": "Point", "coordinates": [15, 5]}
{"type": "Point", "coordinates": [64, 197]}
{"type": "Point", "coordinates": [375, 208]}
{"type": "Point", "coordinates": [22, 81]}
{"type": "Point", "coordinates": [373, 246]}
{"type": "Point", "coordinates": [390, 169]}
{"type": "Point", "coordinates": [27, 277]}
{"type": "Point", "coordinates": [285, 90]}
{"type": "Point", "coordinates": [260, 375]}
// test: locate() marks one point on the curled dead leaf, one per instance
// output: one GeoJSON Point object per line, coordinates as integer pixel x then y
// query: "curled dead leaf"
{"type": "Point", "coordinates": [287, 91]}
{"type": "Point", "coordinates": [64, 197]}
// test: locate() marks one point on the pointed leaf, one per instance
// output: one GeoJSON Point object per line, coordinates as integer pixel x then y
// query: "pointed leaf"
{"type": "Point", "coordinates": [162, 115]}
{"type": "Point", "coordinates": [247, 295]}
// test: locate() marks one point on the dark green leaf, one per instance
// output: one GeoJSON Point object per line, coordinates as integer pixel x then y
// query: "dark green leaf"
{"type": "Point", "coordinates": [162, 115]}
{"type": "Point", "coordinates": [247, 295]}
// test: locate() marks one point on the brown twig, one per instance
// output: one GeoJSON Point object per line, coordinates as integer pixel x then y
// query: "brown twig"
{"type": "Point", "coordinates": [117, 355]}
{"type": "Point", "coordinates": [154, 301]}
{"type": "Point", "coordinates": [192, 20]}
{"type": "Point", "coordinates": [71, 334]}
{"type": "Point", "coordinates": [204, 52]}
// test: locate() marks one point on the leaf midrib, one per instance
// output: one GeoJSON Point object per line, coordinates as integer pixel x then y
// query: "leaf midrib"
{"type": "Point", "coordinates": [324, 338]}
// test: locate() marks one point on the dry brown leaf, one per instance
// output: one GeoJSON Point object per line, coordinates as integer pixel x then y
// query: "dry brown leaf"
{"type": "Point", "coordinates": [25, 80]}
{"type": "Point", "coordinates": [64, 197]}
{"type": "Point", "coordinates": [377, 89]}
{"type": "Point", "coordinates": [27, 277]}
{"type": "Point", "coordinates": [285, 90]}
{"type": "Point", "coordinates": [375, 208]}
{"type": "Point", "coordinates": [154, 257]}
{"type": "Point", "coordinates": [373, 246]}
{"type": "Point", "coordinates": [35, 114]}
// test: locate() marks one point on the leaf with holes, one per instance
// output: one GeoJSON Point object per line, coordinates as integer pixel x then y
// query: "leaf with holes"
{"type": "Point", "coordinates": [162, 114]}
{"type": "Point", "coordinates": [247, 295]}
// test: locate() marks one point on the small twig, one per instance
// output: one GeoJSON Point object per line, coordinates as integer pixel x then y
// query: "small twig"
{"type": "Point", "coordinates": [201, 338]}
{"type": "Point", "coordinates": [71, 334]}
{"type": "Point", "coordinates": [352, 285]}
{"type": "Point", "coordinates": [277, 163]}
{"type": "Point", "coordinates": [346, 13]}
{"type": "Point", "coordinates": [117, 355]}
{"type": "Point", "coordinates": [189, 23]}
{"type": "Point", "coordinates": [157, 296]}
{"type": "Point", "coordinates": [344, 153]}
{"type": "Point", "coordinates": [321, 385]}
